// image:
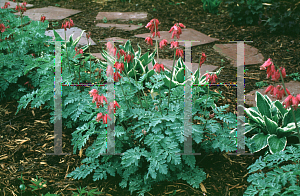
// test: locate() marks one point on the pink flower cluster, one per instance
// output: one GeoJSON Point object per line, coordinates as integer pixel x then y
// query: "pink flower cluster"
{"type": "Point", "coordinates": [153, 27]}
{"type": "Point", "coordinates": [22, 7]}
{"type": "Point", "coordinates": [278, 90]}
{"type": "Point", "coordinates": [67, 24]}
{"type": "Point", "coordinates": [99, 102]}
{"type": "Point", "coordinates": [5, 5]}
{"type": "Point", "coordinates": [211, 78]}
{"type": "Point", "coordinates": [118, 64]}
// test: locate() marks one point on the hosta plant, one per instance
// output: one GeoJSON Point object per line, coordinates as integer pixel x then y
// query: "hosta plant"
{"type": "Point", "coordinates": [282, 177]}
{"type": "Point", "coordinates": [270, 123]}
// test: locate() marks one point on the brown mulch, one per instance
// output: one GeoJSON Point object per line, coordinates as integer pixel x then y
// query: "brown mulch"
{"type": "Point", "coordinates": [26, 137]}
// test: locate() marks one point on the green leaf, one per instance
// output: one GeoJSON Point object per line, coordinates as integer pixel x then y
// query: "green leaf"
{"type": "Point", "coordinates": [179, 76]}
{"type": "Point", "coordinates": [255, 116]}
{"type": "Point", "coordinates": [259, 141]}
{"type": "Point", "coordinates": [276, 144]}
{"type": "Point", "coordinates": [77, 39]}
{"type": "Point", "coordinates": [271, 125]}
{"type": "Point", "coordinates": [262, 105]}
{"type": "Point", "coordinates": [280, 107]}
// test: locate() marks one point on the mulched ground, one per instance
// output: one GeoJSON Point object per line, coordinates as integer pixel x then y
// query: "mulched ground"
{"type": "Point", "coordinates": [26, 138]}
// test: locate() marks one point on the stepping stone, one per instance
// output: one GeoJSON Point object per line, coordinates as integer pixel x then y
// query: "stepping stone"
{"type": "Point", "coordinates": [252, 56]}
{"type": "Point", "coordinates": [124, 27]}
{"type": "Point", "coordinates": [293, 87]}
{"type": "Point", "coordinates": [13, 4]}
{"type": "Point", "coordinates": [122, 15]}
{"type": "Point", "coordinates": [187, 34]}
{"type": "Point", "coordinates": [73, 30]}
{"type": "Point", "coordinates": [116, 38]}
{"type": "Point", "coordinates": [51, 13]}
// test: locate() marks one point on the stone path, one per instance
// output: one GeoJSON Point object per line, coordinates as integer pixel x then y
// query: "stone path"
{"type": "Point", "coordinates": [252, 56]}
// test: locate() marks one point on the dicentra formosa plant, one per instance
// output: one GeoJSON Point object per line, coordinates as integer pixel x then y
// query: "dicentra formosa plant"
{"type": "Point", "coordinates": [271, 123]}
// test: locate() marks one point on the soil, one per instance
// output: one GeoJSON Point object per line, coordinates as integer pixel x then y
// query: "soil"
{"type": "Point", "coordinates": [25, 137]}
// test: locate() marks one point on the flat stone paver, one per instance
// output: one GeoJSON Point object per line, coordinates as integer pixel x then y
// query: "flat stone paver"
{"type": "Point", "coordinates": [51, 13]}
{"type": "Point", "coordinates": [122, 15]}
{"type": "Point", "coordinates": [187, 34]}
{"type": "Point", "coordinates": [252, 56]}
{"type": "Point", "coordinates": [124, 27]}
{"type": "Point", "coordinates": [73, 30]}
{"type": "Point", "coordinates": [13, 4]}
{"type": "Point", "coordinates": [116, 39]}
{"type": "Point", "coordinates": [293, 86]}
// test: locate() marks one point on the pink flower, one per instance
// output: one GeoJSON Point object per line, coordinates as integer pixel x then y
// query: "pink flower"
{"type": "Point", "coordinates": [270, 70]}
{"type": "Point", "coordinates": [163, 43]}
{"type": "Point", "coordinates": [152, 26]}
{"type": "Point", "coordinates": [298, 97]}
{"type": "Point", "coordinates": [122, 52]}
{"type": "Point", "coordinates": [279, 91]}
{"type": "Point", "coordinates": [43, 18]}
{"type": "Point", "coordinates": [2, 28]}
{"type": "Point", "coordinates": [157, 67]}
{"type": "Point", "coordinates": [203, 58]}
{"type": "Point", "coordinates": [157, 34]}
{"type": "Point", "coordinates": [78, 51]}
{"type": "Point", "coordinates": [266, 64]}
{"type": "Point", "coordinates": [119, 66]}
{"type": "Point", "coordinates": [270, 88]}
{"type": "Point", "coordinates": [128, 58]}
{"type": "Point", "coordinates": [174, 44]}
{"type": "Point", "coordinates": [211, 78]}
{"type": "Point", "coordinates": [288, 101]}
{"type": "Point", "coordinates": [104, 118]}
{"type": "Point", "coordinates": [179, 52]}
{"type": "Point", "coordinates": [99, 116]}
{"type": "Point", "coordinates": [177, 30]}
{"type": "Point", "coordinates": [99, 100]}
{"type": "Point", "coordinates": [113, 105]}
{"type": "Point", "coordinates": [109, 71]}
{"type": "Point", "coordinates": [149, 41]}
{"type": "Point", "coordinates": [93, 92]}
{"type": "Point", "coordinates": [117, 76]}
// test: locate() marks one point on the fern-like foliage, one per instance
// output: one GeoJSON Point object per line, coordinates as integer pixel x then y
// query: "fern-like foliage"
{"type": "Point", "coordinates": [152, 158]}
{"type": "Point", "coordinates": [281, 180]}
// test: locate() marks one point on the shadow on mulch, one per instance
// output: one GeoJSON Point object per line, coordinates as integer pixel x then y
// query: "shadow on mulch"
{"type": "Point", "coordinates": [26, 137]}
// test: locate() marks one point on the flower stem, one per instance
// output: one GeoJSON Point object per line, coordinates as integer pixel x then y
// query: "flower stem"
{"type": "Point", "coordinates": [171, 81]}
{"type": "Point", "coordinates": [206, 105]}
